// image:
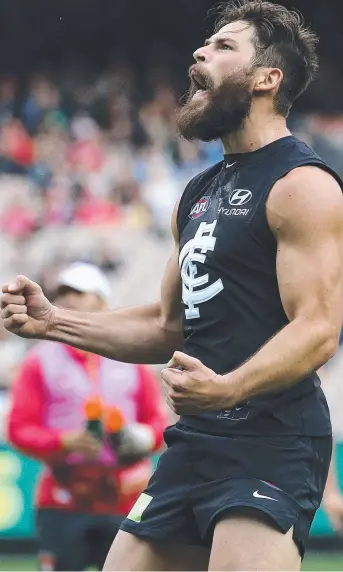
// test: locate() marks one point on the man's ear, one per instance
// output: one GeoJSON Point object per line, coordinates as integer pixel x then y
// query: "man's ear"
{"type": "Point", "coordinates": [268, 80]}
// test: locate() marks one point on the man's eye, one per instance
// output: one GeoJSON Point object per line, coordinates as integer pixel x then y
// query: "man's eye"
{"type": "Point", "coordinates": [226, 47]}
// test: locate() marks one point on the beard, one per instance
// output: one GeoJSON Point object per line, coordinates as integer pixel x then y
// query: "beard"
{"type": "Point", "coordinates": [215, 112]}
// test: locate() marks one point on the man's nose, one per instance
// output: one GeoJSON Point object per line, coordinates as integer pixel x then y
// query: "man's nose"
{"type": "Point", "coordinates": [201, 55]}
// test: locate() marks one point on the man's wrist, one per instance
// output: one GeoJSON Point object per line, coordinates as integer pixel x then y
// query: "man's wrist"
{"type": "Point", "coordinates": [53, 320]}
{"type": "Point", "coordinates": [231, 394]}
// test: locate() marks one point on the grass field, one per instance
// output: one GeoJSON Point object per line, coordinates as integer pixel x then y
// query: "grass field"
{"type": "Point", "coordinates": [323, 562]}
{"type": "Point", "coordinates": [313, 562]}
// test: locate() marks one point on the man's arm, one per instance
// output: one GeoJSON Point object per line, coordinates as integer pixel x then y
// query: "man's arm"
{"type": "Point", "coordinates": [305, 213]}
{"type": "Point", "coordinates": [143, 334]}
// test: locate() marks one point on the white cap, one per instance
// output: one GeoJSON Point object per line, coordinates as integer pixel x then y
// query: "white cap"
{"type": "Point", "coordinates": [86, 278]}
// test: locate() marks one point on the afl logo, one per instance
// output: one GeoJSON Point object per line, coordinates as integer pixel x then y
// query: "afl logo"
{"type": "Point", "coordinates": [240, 197]}
{"type": "Point", "coordinates": [200, 208]}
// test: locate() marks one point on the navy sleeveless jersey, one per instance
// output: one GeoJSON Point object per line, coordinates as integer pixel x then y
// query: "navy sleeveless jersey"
{"type": "Point", "coordinates": [232, 305]}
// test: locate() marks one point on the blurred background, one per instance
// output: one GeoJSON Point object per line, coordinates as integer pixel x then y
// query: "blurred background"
{"type": "Point", "coordinates": [91, 167]}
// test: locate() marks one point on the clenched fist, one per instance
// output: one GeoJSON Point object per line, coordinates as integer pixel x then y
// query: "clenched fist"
{"type": "Point", "coordinates": [25, 310]}
{"type": "Point", "coordinates": [191, 387]}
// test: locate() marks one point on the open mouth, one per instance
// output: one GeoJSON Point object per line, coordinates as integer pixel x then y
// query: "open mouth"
{"type": "Point", "coordinates": [199, 84]}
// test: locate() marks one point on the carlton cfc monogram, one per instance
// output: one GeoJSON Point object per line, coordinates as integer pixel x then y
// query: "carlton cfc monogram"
{"type": "Point", "coordinates": [194, 289]}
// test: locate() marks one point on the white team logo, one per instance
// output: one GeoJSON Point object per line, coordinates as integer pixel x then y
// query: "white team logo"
{"type": "Point", "coordinates": [240, 197]}
{"type": "Point", "coordinates": [194, 289]}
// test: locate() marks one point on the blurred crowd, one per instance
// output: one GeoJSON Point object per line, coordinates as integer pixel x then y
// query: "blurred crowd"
{"type": "Point", "coordinates": [90, 169]}
{"type": "Point", "coordinates": [92, 153]}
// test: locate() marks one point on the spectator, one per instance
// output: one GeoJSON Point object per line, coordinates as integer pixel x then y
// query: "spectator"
{"type": "Point", "coordinates": [81, 501]}
{"type": "Point", "coordinates": [43, 101]}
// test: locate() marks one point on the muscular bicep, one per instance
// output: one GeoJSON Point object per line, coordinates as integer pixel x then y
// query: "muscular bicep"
{"type": "Point", "coordinates": [305, 212]}
{"type": "Point", "coordinates": [310, 277]}
{"type": "Point", "coordinates": [171, 307]}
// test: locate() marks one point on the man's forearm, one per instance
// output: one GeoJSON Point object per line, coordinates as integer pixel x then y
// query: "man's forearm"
{"type": "Point", "coordinates": [133, 335]}
{"type": "Point", "coordinates": [297, 350]}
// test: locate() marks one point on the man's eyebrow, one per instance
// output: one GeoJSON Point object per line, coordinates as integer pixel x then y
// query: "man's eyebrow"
{"type": "Point", "coordinates": [220, 38]}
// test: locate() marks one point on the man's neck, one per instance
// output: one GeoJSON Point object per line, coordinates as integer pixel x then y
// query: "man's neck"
{"type": "Point", "coordinates": [258, 131]}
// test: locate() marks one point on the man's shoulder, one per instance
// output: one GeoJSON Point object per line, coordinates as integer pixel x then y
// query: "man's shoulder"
{"type": "Point", "coordinates": [306, 196]}
{"type": "Point", "coordinates": [312, 182]}
{"type": "Point", "coordinates": [31, 363]}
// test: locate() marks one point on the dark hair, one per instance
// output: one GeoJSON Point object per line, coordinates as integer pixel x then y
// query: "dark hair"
{"type": "Point", "coordinates": [281, 40]}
